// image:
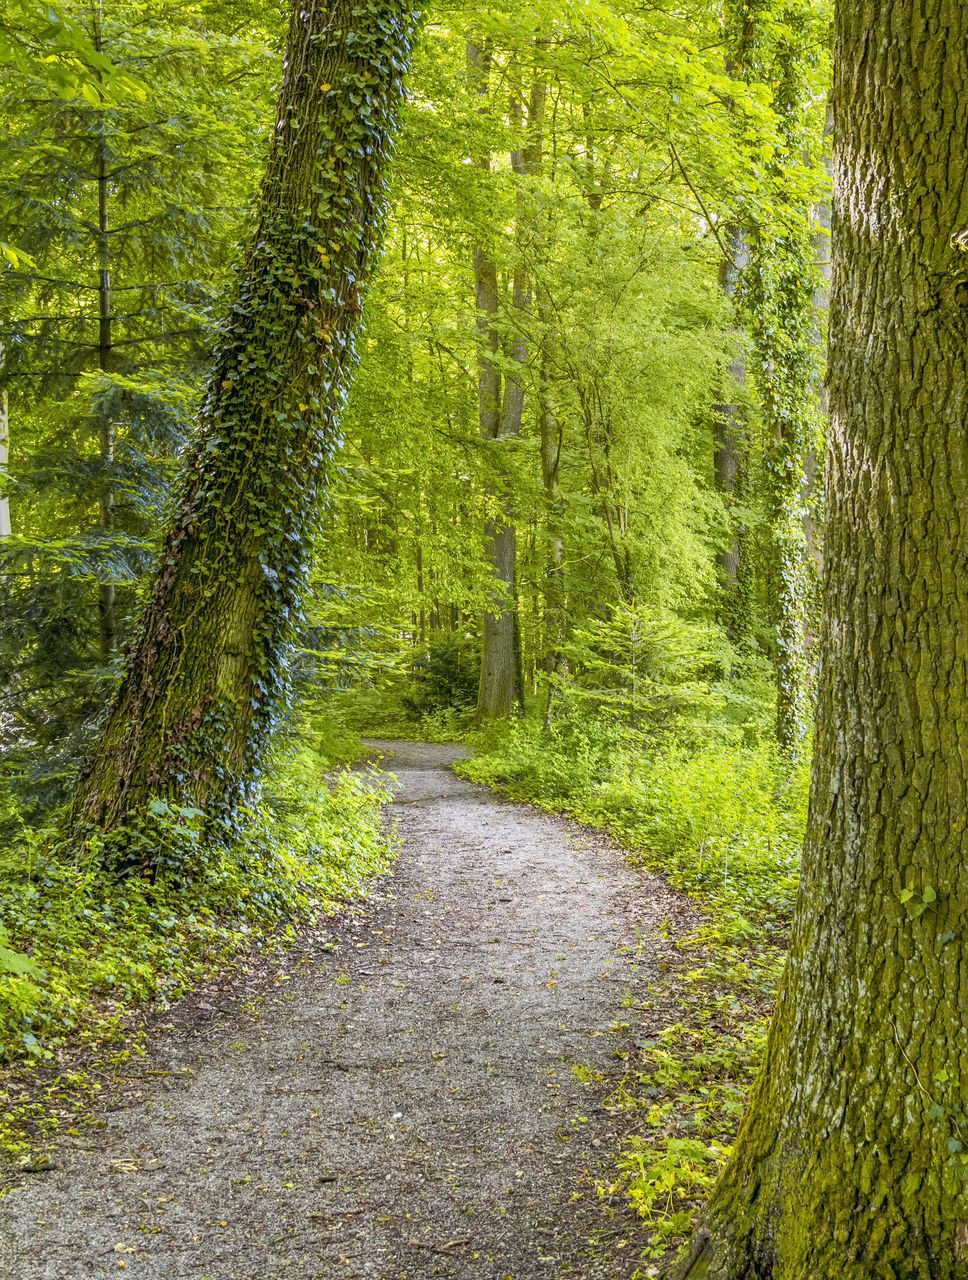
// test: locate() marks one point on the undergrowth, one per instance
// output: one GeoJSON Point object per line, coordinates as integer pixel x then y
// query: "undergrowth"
{"type": "Point", "coordinates": [723, 821]}
{"type": "Point", "coordinates": [82, 946]}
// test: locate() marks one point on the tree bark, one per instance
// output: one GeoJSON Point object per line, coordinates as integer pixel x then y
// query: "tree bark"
{"type": "Point", "coordinates": [850, 1162]}
{"type": "Point", "coordinates": [5, 529]}
{"type": "Point", "coordinates": [812, 495]}
{"type": "Point", "coordinates": [501, 689]}
{"type": "Point", "coordinates": [730, 446]}
{"type": "Point", "coordinates": [107, 621]}
{"type": "Point", "coordinates": [820, 241]}
{"type": "Point", "coordinates": [207, 675]}
{"type": "Point", "coordinates": [551, 433]}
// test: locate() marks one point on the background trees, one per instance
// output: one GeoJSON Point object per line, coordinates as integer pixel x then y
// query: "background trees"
{"type": "Point", "coordinates": [621, 152]}
{"type": "Point", "coordinates": [127, 199]}
{"type": "Point", "coordinates": [624, 155]}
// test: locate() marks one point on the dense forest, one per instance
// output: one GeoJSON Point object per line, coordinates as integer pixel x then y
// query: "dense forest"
{"type": "Point", "coordinates": [462, 374]}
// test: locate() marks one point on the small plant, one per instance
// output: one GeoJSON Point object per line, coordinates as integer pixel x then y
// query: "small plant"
{"type": "Point", "coordinates": [99, 942]}
{"type": "Point", "coordinates": [444, 677]}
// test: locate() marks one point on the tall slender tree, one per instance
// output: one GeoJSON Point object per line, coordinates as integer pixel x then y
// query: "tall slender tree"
{"type": "Point", "coordinates": [499, 411]}
{"type": "Point", "coordinates": [206, 676]}
{"type": "Point", "coordinates": [851, 1161]}
{"type": "Point", "coordinates": [4, 458]}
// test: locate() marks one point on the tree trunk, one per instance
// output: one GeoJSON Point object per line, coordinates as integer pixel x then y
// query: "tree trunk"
{"type": "Point", "coordinates": [4, 457]}
{"type": "Point", "coordinates": [554, 592]}
{"type": "Point", "coordinates": [850, 1162]}
{"type": "Point", "coordinates": [500, 694]}
{"type": "Point", "coordinates": [812, 496]}
{"type": "Point", "coordinates": [107, 622]}
{"type": "Point", "coordinates": [422, 615]}
{"type": "Point", "coordinates": [208, 674]}
{"type": "Point", "coordinates": [729, 447]}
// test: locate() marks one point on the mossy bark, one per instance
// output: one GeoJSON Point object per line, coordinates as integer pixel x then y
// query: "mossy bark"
{"type": "Point", "coordinates": [849, 1163]}
{"type": "Point", "coordinates": [208, 673]}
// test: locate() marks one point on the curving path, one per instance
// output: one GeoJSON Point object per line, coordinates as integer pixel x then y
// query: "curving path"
{"type": "Point", "coordinates": [413, 1104]}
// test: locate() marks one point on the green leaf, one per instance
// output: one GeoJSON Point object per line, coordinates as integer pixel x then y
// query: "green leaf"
{"type": "Point", "coordinates": [21, 965]}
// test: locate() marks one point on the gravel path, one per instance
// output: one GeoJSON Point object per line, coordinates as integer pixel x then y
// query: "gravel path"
{"type": "Point", "coordinates": [415, 1103]}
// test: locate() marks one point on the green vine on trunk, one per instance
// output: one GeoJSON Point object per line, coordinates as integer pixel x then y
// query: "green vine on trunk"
{"type": "Point", "coordinates": [208, 677]}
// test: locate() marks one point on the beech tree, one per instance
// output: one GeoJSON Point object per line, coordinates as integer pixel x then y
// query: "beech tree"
{"type": "Point", "coordinates": [191, 718]}
{"type": "Point", "coordinates": [850, 1161]}
{"type": "Point", "coordinates": [499, 416]}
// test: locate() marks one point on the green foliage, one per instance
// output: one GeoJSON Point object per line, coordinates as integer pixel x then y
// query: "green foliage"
{"type": "Point", "coordinates": [725, 821]}
{"type": "Point", "coordinates": [444, 677]}
{"type": "Point", "coordinates": [687, 1090]}
{"type": "Point", "coordinates": [98, 943]}
{"type": "Point", "coordinates": [128, 208]}
{"type": "Point", "coordinates": [658, 1182]}
{"type": "Point", "coordinates": [46, 38]}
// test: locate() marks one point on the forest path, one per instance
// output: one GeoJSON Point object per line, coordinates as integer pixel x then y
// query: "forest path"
{"type": "Point", "coordinates": [410, 1105]}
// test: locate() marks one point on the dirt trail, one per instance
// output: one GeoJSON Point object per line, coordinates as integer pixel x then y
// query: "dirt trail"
{"type": "Point", "coordinates": [413, 1105]}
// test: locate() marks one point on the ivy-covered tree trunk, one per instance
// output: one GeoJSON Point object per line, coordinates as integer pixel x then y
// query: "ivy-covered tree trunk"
{"type": "Point", "coordinates": [851, 1160]}
{"type": "Point", "coordinates": [813, 461]}
{"type": "Point", "coordinates": [106, 595]}
{"type": "Point", "coordinates": [208, 672]}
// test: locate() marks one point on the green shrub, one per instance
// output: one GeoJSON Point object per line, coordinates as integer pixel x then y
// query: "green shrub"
{"type": "Point", "coordinates": [444, 677]}
{"type": "Point", "coordinates": [102, 941]}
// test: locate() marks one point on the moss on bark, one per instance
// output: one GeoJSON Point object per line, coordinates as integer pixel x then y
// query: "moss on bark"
{"type": "Point", "coordinates": [850, 1163]}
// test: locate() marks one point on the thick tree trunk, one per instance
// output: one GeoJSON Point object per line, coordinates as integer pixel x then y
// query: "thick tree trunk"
{"type": "Point", "coordinates": [850, 1162]}
{"type": "Point", "coordinates": [207, 675]}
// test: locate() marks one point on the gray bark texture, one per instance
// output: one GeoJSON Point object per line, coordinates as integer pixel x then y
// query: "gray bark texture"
{"type": "Point", "coordinates": [501, 689]}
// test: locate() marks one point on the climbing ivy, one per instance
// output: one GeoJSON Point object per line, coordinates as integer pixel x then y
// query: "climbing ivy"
{"type": "Point", "coordinates": [207, 677]}
{"type": "Point", "coordinates": [776, 292]}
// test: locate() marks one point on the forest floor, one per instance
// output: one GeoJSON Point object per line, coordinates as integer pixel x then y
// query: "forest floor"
{"type": "Point", "coordinates": [423, 1093]}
